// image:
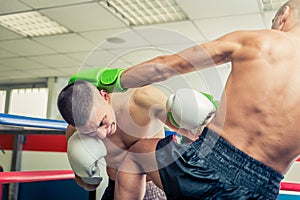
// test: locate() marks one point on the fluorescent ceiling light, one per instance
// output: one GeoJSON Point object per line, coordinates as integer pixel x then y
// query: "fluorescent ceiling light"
{"type": "Point", "coordinates": [272, 5]}
{"type": "Point", "coordinates": [143, 12]}
{"type": "Point", "coordinates": [32, 24]}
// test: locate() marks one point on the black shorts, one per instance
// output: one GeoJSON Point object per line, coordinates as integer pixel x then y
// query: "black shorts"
{"type": "Point", "coordinates": [109, 191]}
{"type": "Point", "coordinates": [211, 168]}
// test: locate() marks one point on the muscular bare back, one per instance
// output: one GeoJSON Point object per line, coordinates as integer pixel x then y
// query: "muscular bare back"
{"type": "Point", "coordinates": [261, 98]}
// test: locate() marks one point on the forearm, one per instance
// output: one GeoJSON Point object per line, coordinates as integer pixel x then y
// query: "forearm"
{"type": "Point", "coordinates": [155, 70]}
{"type": "Point", "coordinates": [130, 186]}
{"type": "Point", "coordinates": [131, 176]}
{"type": "Point", "coordinates": [130, 181]}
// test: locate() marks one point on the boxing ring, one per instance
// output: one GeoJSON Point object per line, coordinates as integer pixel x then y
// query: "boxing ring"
{"type": "Point", "coordinates": [25, 133]}
{"type": "Point", "coordinates": [10, 124]}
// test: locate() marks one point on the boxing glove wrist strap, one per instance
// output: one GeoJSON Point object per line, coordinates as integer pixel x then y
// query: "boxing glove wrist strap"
{"type": "Point", "coordinates": [103, 78]}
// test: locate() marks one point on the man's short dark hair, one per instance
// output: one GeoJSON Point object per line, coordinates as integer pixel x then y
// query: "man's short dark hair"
{"type": "Point", "coordinates": [76, 101]}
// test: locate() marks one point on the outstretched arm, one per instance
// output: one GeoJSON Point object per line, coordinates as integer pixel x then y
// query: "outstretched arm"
{"type": "Point", "coordinates": [195, 58]}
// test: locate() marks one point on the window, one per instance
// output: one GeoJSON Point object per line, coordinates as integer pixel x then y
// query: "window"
{"type": "Point", "coordinates": [31, 102]}
{"type": "Point", "coordinates": [2, 100]}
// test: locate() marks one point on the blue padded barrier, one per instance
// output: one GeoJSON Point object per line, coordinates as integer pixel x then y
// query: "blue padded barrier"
{"type": "Point", "coordinates": [16, 120]}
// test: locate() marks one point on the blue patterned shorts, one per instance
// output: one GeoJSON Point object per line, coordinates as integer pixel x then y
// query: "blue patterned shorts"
{"type": "Point", "coordinates": [211, 168]}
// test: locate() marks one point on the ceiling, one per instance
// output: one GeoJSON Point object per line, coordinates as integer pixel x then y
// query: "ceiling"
{"type": "Point", "coordinates": [99, 38]}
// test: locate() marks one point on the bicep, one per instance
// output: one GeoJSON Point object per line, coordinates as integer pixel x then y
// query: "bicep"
{"type": "Point", "coordinates": [214, 53]}
{"type": "Point", "coordinates": [222, 49]}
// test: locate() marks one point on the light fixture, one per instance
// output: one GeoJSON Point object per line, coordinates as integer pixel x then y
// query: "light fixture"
{"type": "Point", "coordinates": [143, 12]}
{"type": "Point", "coordinates": [31, 24]}
{"type": "Point", "coordinates": [115, 40]}
{"type": "Point", "coordinates": [272, 5]}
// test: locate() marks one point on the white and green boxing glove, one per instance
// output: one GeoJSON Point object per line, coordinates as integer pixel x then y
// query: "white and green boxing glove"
{"type": "Point", "coordinates": [84, 152]}
{"type": "Point", "coordinates": [103, 78]}
{"type": "Point", "coordinates": [190, 109]}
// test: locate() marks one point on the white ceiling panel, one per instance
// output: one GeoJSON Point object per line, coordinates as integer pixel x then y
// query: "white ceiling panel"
{"type": "Point", "coordinates": [17, 74]}
{"type": "Point", "coordinates": [198, 9]}
{"type": "Point", "coordinates": [99, 37]}
{"type": "Point", "coordinates": [119, 63]}
{"type": "Point", "coordinates": [4, 68]}
{"type": "Point", "coordinates": [214, 28]}
{"type": "Point", "coordinates": [157, 36]}
{"type": "Point", "coordinates": [22, 63]}
{"type": "Point", "coordinates": [5, 54]}
{"type": "Point", "coordinates": [137, 55]}
{"type": "Point", "coordinates": [52, 3]}
{"type": "Point", "coordinates": [24, 47]}
{"type": "Point", "coordinates": [48, 72]}
{"type": "Point", "coordinates": [97, 58]}
{"type": "Point", "coordinates": [6, 34]}
{"type": "Point", "coordinates": [68, 71]}
{"type": "Point", "coordinates": [79, 56]}
{"type": "Point", "coordinates": [66, 43]}
{"type": "Point", "coordinates": [84, 17]}
{"type": "Point", "coordinates": [12, 6]}
{"type": "Point", "coordinates": [130, 39]}
{"type": "Point", "coordinates": [57, 60]}
{"type": "Point", "coordinates": [171, 33]}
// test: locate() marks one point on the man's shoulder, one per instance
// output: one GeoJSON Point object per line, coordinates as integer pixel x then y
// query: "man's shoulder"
{"type": "Point", "coordinates": [244, 35]}
{"type": "Point", "coordinates": [145, 92]}
{"type": "Point", "coordinates": [263, 37]}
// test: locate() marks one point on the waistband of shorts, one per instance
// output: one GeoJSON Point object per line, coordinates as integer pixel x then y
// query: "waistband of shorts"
{"type": "Point", "coordinates": [237, 166]}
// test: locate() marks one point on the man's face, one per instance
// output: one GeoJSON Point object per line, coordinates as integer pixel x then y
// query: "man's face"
{"type": "Point", "coordinates": [102, 121]}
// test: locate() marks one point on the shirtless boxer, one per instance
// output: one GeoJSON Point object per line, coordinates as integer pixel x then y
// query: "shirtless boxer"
{"type": "Point", "coordinates": [120, 120]}
{"type": "Point", "coordinates": [258, 117]}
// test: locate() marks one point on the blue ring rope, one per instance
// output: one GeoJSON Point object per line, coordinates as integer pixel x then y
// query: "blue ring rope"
{"type": "Point", "coordinates": [17, 120]}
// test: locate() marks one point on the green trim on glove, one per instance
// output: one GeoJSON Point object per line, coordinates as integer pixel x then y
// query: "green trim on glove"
{"type": "Point", "coordinates": [211, 98]}
{"type": "Point", "coordinates": [103, 78]}
{"type": "Point", "coordinates": [112, 77]}
{"type": "Point", "coordinates": [172, 120]}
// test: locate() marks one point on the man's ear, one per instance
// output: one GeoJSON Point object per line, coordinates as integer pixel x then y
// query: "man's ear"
{"type": "Point", "coordinates": [105, 95]}
{"type": "Point", "coordinates": [285, 14]}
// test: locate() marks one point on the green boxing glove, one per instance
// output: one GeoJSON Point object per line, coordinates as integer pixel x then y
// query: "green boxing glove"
{"type": "Point", "coordinates": [103, 78]}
